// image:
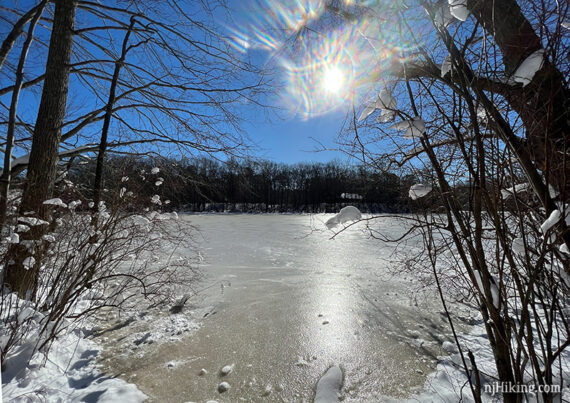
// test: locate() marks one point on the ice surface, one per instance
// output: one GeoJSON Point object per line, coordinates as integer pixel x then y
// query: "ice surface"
{"type": "Point", "coordinates": [529, 67]}
{"type": "Point", "coordinates": [348, 213]}
{"type": "Point", "coordinates": [419, 190]}
{"type": "Point", "coordinates": [329, 386]}
{"type": "Point", "coordinates": [458, 8]}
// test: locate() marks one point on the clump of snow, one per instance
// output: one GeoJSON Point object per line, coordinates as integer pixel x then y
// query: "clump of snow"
{"type": "Point", "coordinates": [386, 102]}
{"type": "Point", "coordinates": [32, 221]}
{"type": "Point", "coordinates": [446, 66]}
{"type": "Point", "coordinates": [155, 170]}
{"type": "Point", "coordinates": [29, 262]}
{"type": "Point", "coordinates": [329, 386]}
{"type": "Point", "coordinates": [55, 202]}
{"type": "Point", "coordinates": [13, 238]}
{"type": "Point", "coordinates": [124, 179]}
{"type": "Point", "coordinates": [159, 182]}
{"type": "Point", "coordinates": [564, 249]}
{"type": "Point", "coordinates": [443, 15]}
{"type": "Point", "coordinates": [226, 370]}
{"type": "Point", "coordinates": [348, 213]}
{"type": "Point", "coordinates": [550, 221]}
{"type": "Point", "coordinates": [520, 188]}
{"type": "Point", "coordinates": [458, 8]}
{"type": "Point", "coordinates": [413, 128]}
{"type": "Point", "coordinates": [223, 387]}
{"type": "Point", "coordinates": [419, 190]}
{"type": "Point", "coordinates": [155, 199]}
{"type": "Point", "coordinates": [449, 347]}
{"type": "Point", "coordinates": [529, 67]}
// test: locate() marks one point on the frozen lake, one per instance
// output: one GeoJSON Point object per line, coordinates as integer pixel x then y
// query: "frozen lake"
{"type": "Point", "coordinates": [294, 303]}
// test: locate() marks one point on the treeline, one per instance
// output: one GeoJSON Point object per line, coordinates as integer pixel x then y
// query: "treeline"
{"type": "Point", "coordinates": [204, 184]}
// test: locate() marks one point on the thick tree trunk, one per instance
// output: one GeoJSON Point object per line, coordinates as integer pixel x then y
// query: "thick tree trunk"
{"type": "Point", "coordinates": [45, 144]}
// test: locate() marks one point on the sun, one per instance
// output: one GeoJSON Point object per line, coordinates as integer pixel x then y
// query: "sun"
{"type": "Point", "coordinates": [333, 80]}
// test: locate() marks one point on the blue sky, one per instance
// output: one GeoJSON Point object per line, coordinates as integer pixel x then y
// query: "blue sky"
{"type": "Point", "coordinates": [297, 139]}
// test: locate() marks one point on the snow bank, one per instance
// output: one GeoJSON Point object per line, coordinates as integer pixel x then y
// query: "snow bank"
{"type": "Point", "coordinates": [348, 213]}
{"type": "Point", "coordinates": [329, 386]}
{"type": "Point", "coordinates": [419, 190]}
{"type": "Point", "coordinates": [68, 373]}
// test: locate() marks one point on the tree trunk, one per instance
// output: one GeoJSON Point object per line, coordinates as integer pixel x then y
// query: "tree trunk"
{"type": "Point", "coordinates": [45, 145]}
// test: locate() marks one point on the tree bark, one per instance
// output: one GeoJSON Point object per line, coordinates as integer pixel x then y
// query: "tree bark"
{"type": "Point", "coordinates": [45, 145]}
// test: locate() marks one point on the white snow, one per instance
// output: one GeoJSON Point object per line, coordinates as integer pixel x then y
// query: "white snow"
{"type": "Point", "coordinates": [564, 249]}
{"type": "Point", "coordinates": [529, 67]}
{"type": "Point", "coordinates": [413, 128]}
{"type": "Point", "coordinates": [348, 213]}
{"type": "Point", "coordinates": [155, 199]}
{"type": "Point", "coordinates": [493, 288]}
{"type": "Point", "coordinates": [419, 190]}
{"type": "Point", "coordinates": [443, 15]}
{"type": "Point", "coordinates": [517, 246]}
{"type": "Point", "coordinates": [13, 238]}
{"type": "Point", "coordinates": [32, 221]}
{"type": "Point", "coordinates": [329, 386]}
{"type": "Point", "coordinates": [29, 262]}
{"type": "Point", "coordinates": [386, 102]}
{"type": "Point", "coordinates": [446, 65]}
{"type": "Point", "coordinates": [565, 24]}
{"type": "Point", "coordinates": [55, 202]}
{"type": "Point", "coordinates": [520, 188]}
{"type": "Point", "coordinates": [155, 170]}
{"type": "Point", "coordinates": [458, 8]}
{"type": "Point", "coordinates": [550, 221]}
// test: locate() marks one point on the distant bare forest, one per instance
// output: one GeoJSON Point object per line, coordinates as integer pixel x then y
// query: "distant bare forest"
{"type": "Point", "coordinates": [204, 184]}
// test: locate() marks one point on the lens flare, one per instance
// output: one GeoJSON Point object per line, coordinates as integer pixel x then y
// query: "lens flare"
{"type": "Point", "coordinates": [324, 64]}
{"type": "Point", "coordinates": [333, 79]}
